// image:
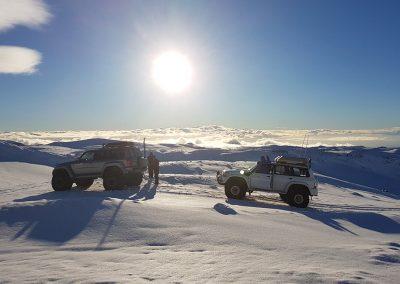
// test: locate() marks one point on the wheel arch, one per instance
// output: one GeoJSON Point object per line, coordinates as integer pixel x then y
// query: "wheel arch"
{"type": "Point", "coordinates": [238, 180]}
{"type": "Point", "coordinates": [63, 169]}
{"type": "Point", "coordinates": [298, 186]}
{"type": "Point", "coordinates": [111, 166]}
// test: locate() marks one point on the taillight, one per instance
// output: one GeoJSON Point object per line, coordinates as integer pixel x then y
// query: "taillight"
{"type": "Point", "coordinates": [128, 163]}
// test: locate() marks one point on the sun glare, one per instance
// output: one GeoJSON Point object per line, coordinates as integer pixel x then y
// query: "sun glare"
{"type": "Point", "coordinates": [172, 72]}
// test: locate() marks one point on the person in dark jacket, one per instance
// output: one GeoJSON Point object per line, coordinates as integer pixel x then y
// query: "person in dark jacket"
{"type": "Point", "coordinates": [262, 162]}
{"type": "Point", "coordinates": [150, 164]}
{"type": "Point", "coordinates": [264, 165]}
{"type": "Point", "coordinates": [156, 168]}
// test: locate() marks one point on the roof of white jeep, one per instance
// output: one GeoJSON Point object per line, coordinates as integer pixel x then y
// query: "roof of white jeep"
{"type": "Point", "coordinates": [293, 161]}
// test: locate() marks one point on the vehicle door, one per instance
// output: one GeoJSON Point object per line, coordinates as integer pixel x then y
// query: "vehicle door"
{"type": "Point", "coordinates": [83, 165]}
{"type": "Point", "coordinates": [98, 162]}
{"type": "Point", "coordinates": [281, 178]}
{"type": "Point", "coordinates": [261, 178]}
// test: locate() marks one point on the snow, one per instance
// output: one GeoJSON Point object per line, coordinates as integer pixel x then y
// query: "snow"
{"type": "Point", "coordinates": [186, 230]}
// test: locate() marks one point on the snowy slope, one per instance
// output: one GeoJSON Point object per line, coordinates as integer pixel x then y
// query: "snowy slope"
{"type": "Point", "coordinates": [185, 230]}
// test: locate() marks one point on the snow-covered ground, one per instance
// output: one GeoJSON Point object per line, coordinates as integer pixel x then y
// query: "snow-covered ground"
{"type": "Point", "coordinates": [185, 230]}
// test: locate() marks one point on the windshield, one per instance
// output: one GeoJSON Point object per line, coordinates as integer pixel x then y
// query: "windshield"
{"type": "Point", "coordinates": [252, 168]}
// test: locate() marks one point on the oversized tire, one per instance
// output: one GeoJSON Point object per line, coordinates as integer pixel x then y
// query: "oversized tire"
{"type": "Point", "coordinates": [113, 179]}
{"type": "Point", "coordinates": [298, 197]}
{"type": "Point", "coordinates": [134, 179]}
{"type": "Point", "coordinates": [284, 197]}
{"type": "Point", "coordinates": [235, 189]}
{"type": "Point", "coordinates": [61, 180]}
{"type": "Point", "coordinates": [84, 183]}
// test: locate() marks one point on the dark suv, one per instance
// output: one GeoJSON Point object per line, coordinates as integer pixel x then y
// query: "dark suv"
{"type": "Point", "coordinates": [118, 163]}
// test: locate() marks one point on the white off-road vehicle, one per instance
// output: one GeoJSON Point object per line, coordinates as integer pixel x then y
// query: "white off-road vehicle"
{"type": "Point", "coordinates": [291, 177]}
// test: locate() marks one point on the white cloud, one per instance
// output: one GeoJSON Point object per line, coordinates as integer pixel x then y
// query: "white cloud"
{"type": "Point", "coordinates": [18, 60]}
{"type": "Point", "coordinates": [30, 13]}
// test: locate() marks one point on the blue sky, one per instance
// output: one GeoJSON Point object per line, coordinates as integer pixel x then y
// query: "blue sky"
{"type": "Point", "coordinates": [257, 64]}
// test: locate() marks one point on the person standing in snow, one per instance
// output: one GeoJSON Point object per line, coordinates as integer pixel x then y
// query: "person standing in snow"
{"type": "Point", "coordinates": [262, 162]}
{"type": "Point", "coordinates": [150, 164]}
{"type": "Point", "coordinates": [156, 168]}
{"type": "Point", "coordinates": [264, 165]}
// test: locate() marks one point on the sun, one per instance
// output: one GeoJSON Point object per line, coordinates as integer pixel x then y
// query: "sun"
{"type": "Point", "coordinates": [172, 72]}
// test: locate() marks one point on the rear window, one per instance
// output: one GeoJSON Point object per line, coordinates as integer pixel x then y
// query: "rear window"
{"type": "Point", "coordinates": [281, 170]}
{"type": "Point", "coordinates": [300, 172]}
{"type": "Point", "coordinates": [291, 171]}
{"type": "Point", "coordinates": [115, 154]}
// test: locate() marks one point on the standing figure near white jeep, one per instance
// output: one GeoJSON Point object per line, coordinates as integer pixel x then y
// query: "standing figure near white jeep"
{"type": "Point", "coordinates": [292, 178]}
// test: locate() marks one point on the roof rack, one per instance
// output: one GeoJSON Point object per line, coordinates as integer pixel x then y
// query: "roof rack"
{"type": "Point", "coordinates": [119, 144]}
{"type": "Point", "coordinates": [301, 162]}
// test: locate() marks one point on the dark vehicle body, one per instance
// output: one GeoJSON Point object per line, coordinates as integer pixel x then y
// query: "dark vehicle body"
{"type": "Point", "coordinates": [118, 164]}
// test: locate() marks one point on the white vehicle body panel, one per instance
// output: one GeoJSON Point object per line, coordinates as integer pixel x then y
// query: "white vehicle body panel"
{"type": "Point", "coordinates": [262, 182]}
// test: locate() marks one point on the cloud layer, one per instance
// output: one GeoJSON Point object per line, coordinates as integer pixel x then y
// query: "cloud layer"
{"type": "Point", "coordinates": [30, 13]}
{"type": "Point", "coordinates": [18, 60]}
{"type": "Point", "coordinates": [219, 136]}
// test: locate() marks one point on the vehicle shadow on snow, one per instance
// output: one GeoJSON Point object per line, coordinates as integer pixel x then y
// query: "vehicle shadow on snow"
{"type": "Point", "coordinates": [224, 209]}
{"type": "Point", "coordinates": [63, 215]}
{"type": "Point", "coordinates": [368, 220]}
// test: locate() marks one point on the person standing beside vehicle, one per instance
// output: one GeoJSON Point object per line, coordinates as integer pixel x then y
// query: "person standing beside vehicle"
{"type": "Point", "coordinates": [150, 164]}
{"type": "Point", "coordinates": [156, 168]}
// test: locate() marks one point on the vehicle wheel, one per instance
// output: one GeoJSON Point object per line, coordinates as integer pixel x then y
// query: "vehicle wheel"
{"type": "Point", "coordinates": [61, 181]}
{"type": "Point", "coordinates": [298, 198]}
{"type": "Point", "coordinates": [113, 179]}
{"type": "Point", "coordinates": [235, 189]}
{"type": "Point", "coordinates": [84, 183]}
{"type": "Point", "coordinates": [284, 197]}
{"type": "Point", "coordinates": [134, 179]}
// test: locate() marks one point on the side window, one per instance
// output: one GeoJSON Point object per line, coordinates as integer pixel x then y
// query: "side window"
{"type": "Point", "coordinates": [88, 156]}
{"type": "Point", "coordinates": [116, 154]}
{"type": "Point", "coordinates": [120, 154]}
{"type": "Point", "coordinates": [106, 155]}
{"type": "Point", "coordinates": [299, 172]}
{"type": "Point", "coordinates": [99, 156]}
{"type": "Point", "coordinates": [280, 170]}
{"type": "Point", "coordinates": [304, 173]}
{"type": "Point", "coordinates": [263, 169]}
{"type": "Point", "coordinates": [132, 153]}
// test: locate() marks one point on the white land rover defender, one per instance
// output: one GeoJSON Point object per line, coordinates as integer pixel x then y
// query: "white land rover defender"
{"type": "Point", "coordinates": [291, 177]}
